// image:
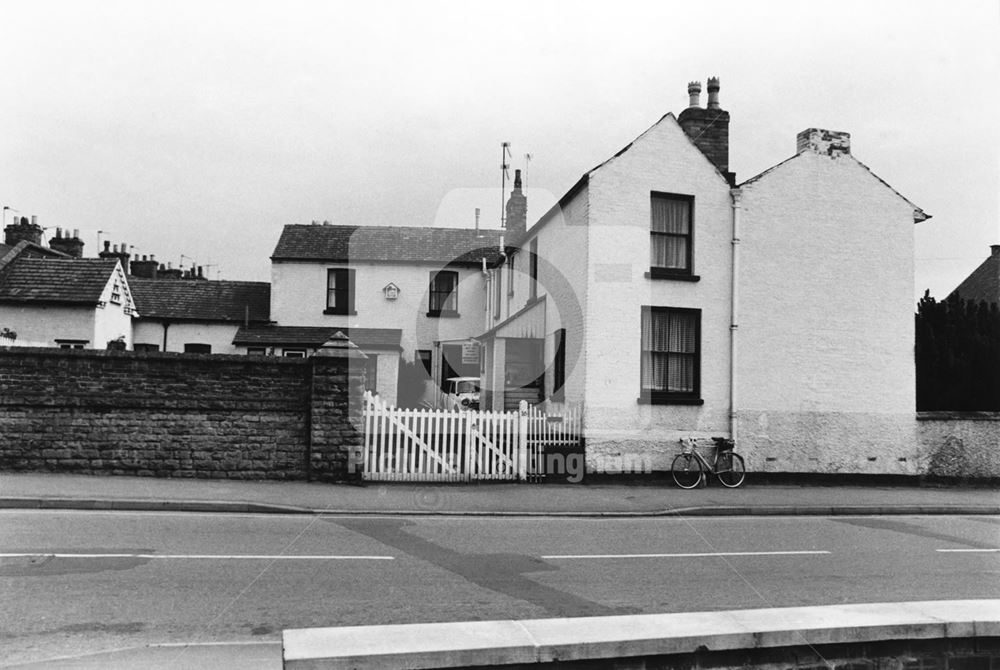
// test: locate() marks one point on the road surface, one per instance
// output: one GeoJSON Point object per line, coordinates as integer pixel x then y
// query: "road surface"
{"type": "Point", "coordinates": [80, 582]}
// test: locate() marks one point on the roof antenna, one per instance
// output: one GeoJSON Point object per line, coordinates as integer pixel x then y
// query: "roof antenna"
{"type": "Point", "coordinates": [504, 166]}
{"type": "Point", "coordinates": [527, 160]}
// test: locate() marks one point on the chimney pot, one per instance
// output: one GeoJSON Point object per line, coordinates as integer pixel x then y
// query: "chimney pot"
{"type": "Point", "coordinates": [713, 93]}
{"type": "Point", "coordinates": [58, 233]}
{"type": "Point", "coordinates": [694, 93]}
{"type": "Point", "coordinates": [76, 233]}
{"type": "Point", "coordinates": [107, 245]}
{"type": "Point", "coordinates": [34, 220]}
{"type": "Point", "coordinates": [995, 248]}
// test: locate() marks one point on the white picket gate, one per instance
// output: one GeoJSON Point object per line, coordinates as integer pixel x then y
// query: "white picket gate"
{"type": "Point", "coordinates": [452, 446]}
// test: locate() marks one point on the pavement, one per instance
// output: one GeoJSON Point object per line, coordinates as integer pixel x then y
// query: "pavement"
{"type": "Point", "coordinates": [603, 499]}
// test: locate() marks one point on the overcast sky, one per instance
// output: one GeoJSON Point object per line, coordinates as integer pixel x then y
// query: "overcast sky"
{"type": "Point", "coordinates": [201, 128]}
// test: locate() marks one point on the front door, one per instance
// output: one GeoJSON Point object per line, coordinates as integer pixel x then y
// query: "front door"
{"type": "Point", "coordinates": [524, 376]}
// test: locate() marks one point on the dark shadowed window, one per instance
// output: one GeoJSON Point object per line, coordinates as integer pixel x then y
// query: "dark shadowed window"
{"type": "Point", "coordinates": [197, 348]}
{"type": "Point", "coordinates": [443, 293]}
{"type": "Point", "coordinates": [339, 291]}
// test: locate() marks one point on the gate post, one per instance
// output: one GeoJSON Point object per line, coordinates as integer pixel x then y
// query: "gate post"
{"type": "Point", "coordinates": [336, 411]}
{"type": "Point", "coordinates": [522, 440]}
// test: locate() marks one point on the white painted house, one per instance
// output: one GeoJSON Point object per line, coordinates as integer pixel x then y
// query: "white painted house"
{"type": "Point", "coordinates": [670, 302]}
{"type": "Point", "coordinates": [71, 303]}
{"type": "Point", "coordinates": [398, 292]}
{"type": "Point", "coordinates": [196, 316]}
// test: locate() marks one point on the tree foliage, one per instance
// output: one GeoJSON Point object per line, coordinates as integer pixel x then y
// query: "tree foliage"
{"type": "Point", "coordinates": [957, 355]}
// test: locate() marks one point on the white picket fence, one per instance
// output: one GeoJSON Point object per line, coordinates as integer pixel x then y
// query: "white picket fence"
{"type": "Point", "coordinates": [452, 446]}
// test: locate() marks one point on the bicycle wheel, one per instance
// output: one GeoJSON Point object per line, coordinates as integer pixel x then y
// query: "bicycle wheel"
{"type": "Point", "coordinates": [686, 470]}
{"type": "Point", "coordinates": [730, 469]}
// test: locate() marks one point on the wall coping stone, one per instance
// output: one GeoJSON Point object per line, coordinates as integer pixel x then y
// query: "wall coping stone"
{"type": "Point", "coordinates": [958, 416]}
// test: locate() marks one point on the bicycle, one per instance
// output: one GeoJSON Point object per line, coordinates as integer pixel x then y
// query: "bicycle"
{"type": "Point", "coordinates": [690, 468]}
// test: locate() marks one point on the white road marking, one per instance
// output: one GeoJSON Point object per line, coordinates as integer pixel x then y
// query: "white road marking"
{"type": "Point", "coordinates": [699, 555]}
{"type": "Point", "coordinates": [220, 557]}
{"type": "Point", "coordinates": [967, 551]}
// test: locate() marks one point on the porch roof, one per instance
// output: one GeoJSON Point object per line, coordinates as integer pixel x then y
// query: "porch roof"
{"type": "Point", "coordinates": [386, 339]}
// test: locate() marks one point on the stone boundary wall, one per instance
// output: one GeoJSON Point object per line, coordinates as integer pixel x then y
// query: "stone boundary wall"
{"type": "Point", "coordinates": [177, 415]}
{"type": "Point", "coordinates": [964, 445]}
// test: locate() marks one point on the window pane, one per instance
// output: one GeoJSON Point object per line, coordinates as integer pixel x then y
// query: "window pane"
{"type": "Point", "coordinates": [682, 333]}
{"type": "Point", "coordinates": [680, 377]}
{"type": "Point", "coordinates": [671, 216]}
{"type": "Point", "coordinates": [669, 351]}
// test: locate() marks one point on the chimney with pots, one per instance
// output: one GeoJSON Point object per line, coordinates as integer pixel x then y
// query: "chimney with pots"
{"type": "Point", "coordinates": [116, 252]}
{"type": "Point", "coordinates": [517, 210]}
{"type": "Point", "coordinates": [20, 229]}
{"type": "Point", "coordinates": [168, 271]}
{"type": "Point", "coordinates": [830, 143]}
{"type": "Point", "coordinates": [70, 244]}
{"type": "Point", "coordinates": [708, 127]}
{"type": "Point", "coordinates": [145, 267]}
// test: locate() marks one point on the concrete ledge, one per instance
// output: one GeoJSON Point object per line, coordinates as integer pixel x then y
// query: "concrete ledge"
{"type": "Point", "coordinates": [497, 643]}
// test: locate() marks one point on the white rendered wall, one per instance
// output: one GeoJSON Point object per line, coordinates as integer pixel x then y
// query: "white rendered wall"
{"type": "Point", "coordinates": [298, 298]}
{"type": "Point", "coordinates": [825, 366]}
{"type": "Point", "coordinates": [620, 431]}
{"type": "Point", "coordinates": [44, 325]}
{"type": "Point", "coordinates": [218, 335]}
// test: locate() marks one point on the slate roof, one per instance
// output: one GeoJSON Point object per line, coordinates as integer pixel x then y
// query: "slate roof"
{"type": "Point", "coordinates": [343, 244]}
{"type": "Point", "coordinates": [984, 282]}
{"type": "Point", "coordinates": [63, 281]}
{"type": "Point", "coordinates": [314, 336]}
{"type": "Point", "coordinates": [196, 300]}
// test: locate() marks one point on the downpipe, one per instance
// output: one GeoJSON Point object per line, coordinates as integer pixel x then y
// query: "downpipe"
{"type": "Point", "coordinates": [737, 196]}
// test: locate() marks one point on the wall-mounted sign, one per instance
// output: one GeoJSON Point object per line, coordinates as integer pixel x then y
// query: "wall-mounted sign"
{"type": "Point", "coordinates": [391, 291]}
{"type": "Point", "coordinates": [470, 353]}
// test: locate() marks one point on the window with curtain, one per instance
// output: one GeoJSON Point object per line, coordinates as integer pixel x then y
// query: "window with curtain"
{"type": "Point", "coordinates": [443, 293]}
{"type": "Point", "coordinates": [670, 234]}
{"type": "Point", "coordinates": [671, 356]}
{"type": "Point", "coordinates": [339, 291]}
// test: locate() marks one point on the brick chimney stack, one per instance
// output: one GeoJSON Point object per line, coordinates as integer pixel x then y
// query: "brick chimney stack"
{"type": "Point", "coordinates": [70, 244]}
{"type": "Point", "coordinates": [20, 229]}
{"type": "Point", "coordinates": [517, 211]}
{"type": "Point", "coordinates": [830, 143]}
{"type": "Point", "coordinates": [119, 253]}
{"type": "Point", "coordinates": [146, 267]}
{"type": "Point", "coordinates": [708, 127]}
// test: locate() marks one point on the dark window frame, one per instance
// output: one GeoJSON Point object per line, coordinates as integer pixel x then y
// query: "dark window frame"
{"type": "Point", "coordinates": [197, 348]}
{"type": "Point", "coordinates": [660, 272]}
{"type": "Point", "coordinates": [664, 396]}
{"type": "Point", "coordinates": [145, 346]}
{"type": "Point", "coordinates": [438, 299]}
{"type": "Point", "coordinates": [340, 292]}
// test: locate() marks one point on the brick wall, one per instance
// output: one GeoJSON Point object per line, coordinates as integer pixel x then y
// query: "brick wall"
{"type": "Point", "coordinates": [161, 414]}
